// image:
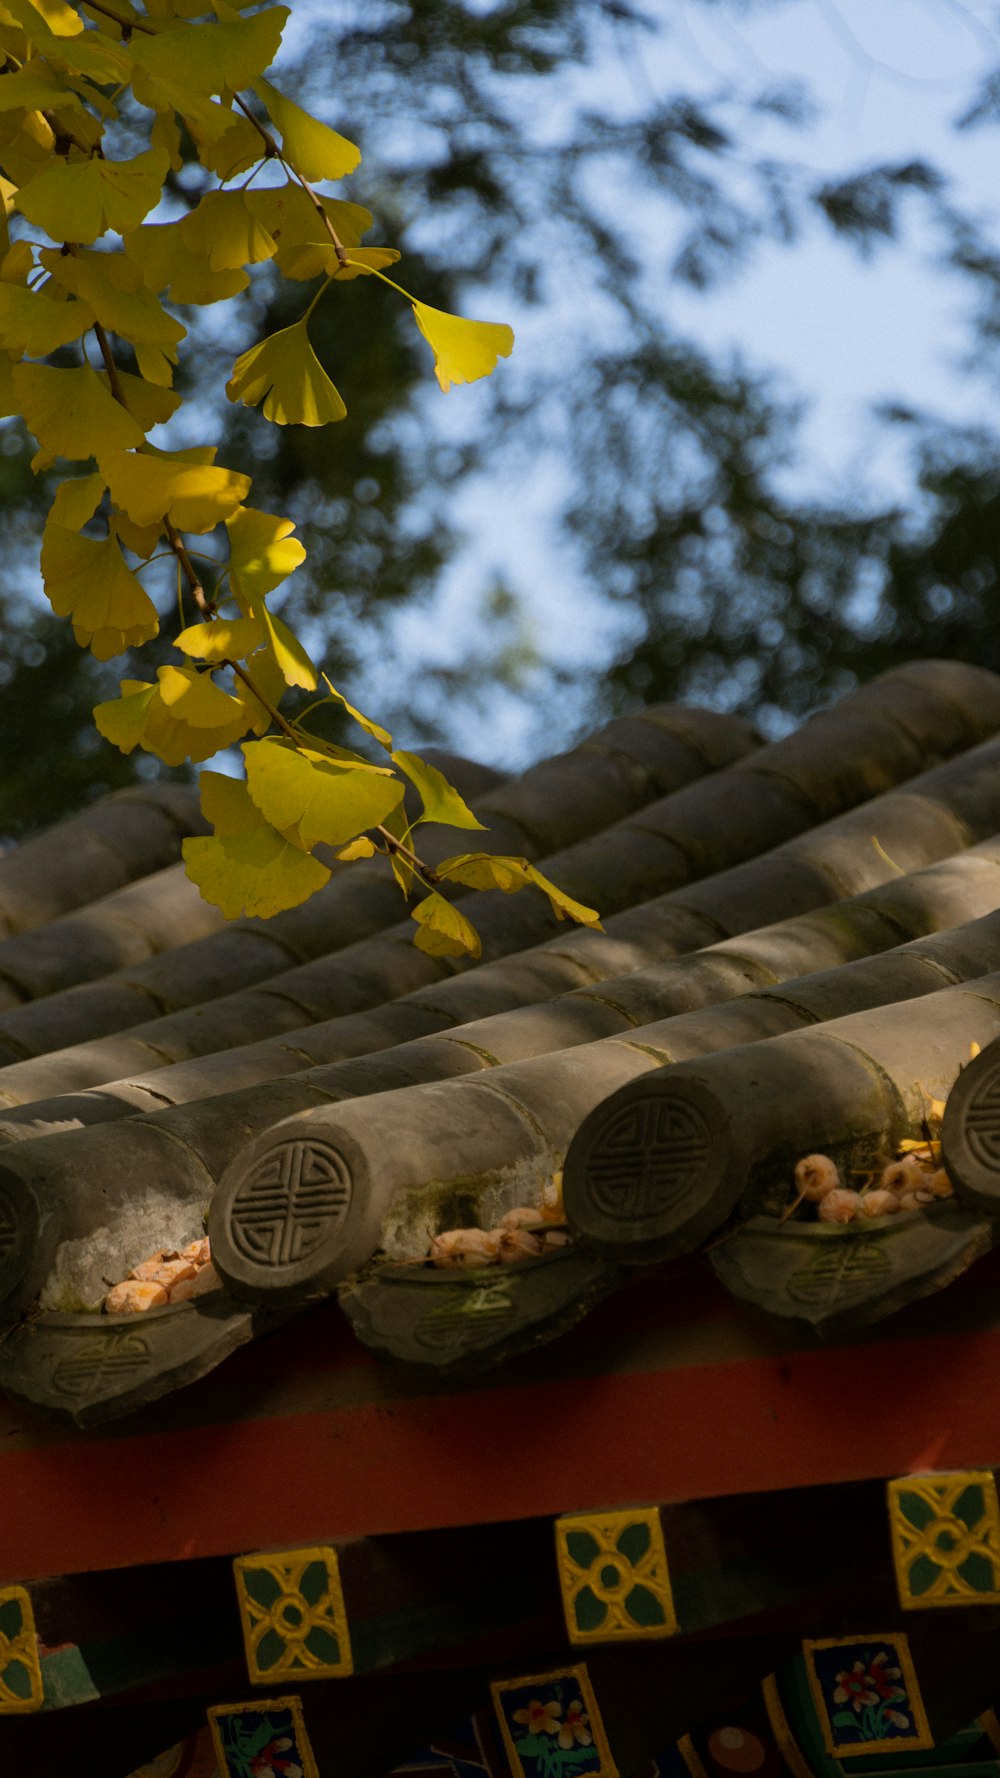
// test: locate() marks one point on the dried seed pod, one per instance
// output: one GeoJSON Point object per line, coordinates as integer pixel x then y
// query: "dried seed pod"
{"type": "Point", "coordinates": [839, 1205]}
{"type": "Point", "coordinates": [205, 1279]}
{"type": "Point", "coordinates": [815, 1176]}
{"type": "Point", "coordinates": [915, 1200]}
{"type": "Point", "coordinates": [879, 1203]}
{"type": "Point", "coordinates": [518, 1244]}
{"type": "Point", "coordinates": [938, 1184]}
{"type": "Point", "coordinates": [523, 1216]}
{"type": "Point", "coordinates": [905, 1175]}
{"type": "Point", "coordinates": [466, 1247]}
{"type": "Point", "coordinates": [168, 1272]}
{"type": "Point", "coordinates": [133, 1296]}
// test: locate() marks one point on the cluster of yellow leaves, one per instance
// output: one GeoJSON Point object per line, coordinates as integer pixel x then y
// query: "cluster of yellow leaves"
{"type": "Point", "coordinates": [90, 257]}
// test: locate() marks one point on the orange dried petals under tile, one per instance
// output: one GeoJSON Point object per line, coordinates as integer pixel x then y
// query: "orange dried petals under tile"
{"type": "Point", "coordinates": [204, 1280]}
{"type": "Point", "coordinates": [198, 1252]}
{"type": "Point", "coordinates": [518, 1244]}
{"type": "Point", "coordinates": [167, 1272]}
{"type": "Point", "coordinates": [465, 1247]}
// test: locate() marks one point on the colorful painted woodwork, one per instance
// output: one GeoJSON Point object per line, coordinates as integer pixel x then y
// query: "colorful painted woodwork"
{"type": "Point", "coordinates": [614, 1577]}
{"type": "Point", "coordinates": [946, 1538]}
{"type": "Point", "coordinates": [20, 1670]}
{"type": "Point", "coordinates": [265, 1738]}
{"type": "Point", "coordinates": [293, 1614]}
{"type": "Point", "coordinates": [866, 1695]}
{"type": "Point", "coordinates": [551, 1726]}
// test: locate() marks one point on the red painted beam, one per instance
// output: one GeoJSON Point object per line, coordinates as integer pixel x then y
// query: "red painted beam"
{"type": "Point", "coordinates": [417, 1461]}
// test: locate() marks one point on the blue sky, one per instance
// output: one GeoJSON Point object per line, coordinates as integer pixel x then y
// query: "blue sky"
{"type": "Point", "coordinates": [890, 78]}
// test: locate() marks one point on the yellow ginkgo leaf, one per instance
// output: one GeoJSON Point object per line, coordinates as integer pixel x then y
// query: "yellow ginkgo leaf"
{"type": "Point", "coordinates": [36, 87]}
{"type": "Point", "coordinates": [34, 325]}
{"type": "Point", "coordinates": [89, 582]}
{"type": "Point", "coordinates": [563, 906]}
{"type": "Point", "coordinates": [143, 539]}
{"type": "Point", "coordinates": [75, 501]}
{"type": "Point", "coordinates": [184, 716]}
{"type": "Point", "coordinates": [256, 874]}
{"type": "Point", "coordinates": [292, 218]}
{"type": "Point", "coordinates": [317, 799]}
{"type": "Point", "coordinates": [83, 52]}
{"type": "Point", "coordinates": [286, 649]}
{"type": "Point", "coordinates": [226, 144]}
{"type": "Point", "coordinates": [262, 551]}
{"type": "Point", "coordinates": [227, 639]}
{"type": "Point", "coordinates": [175, 68]}
{"type": "Point", "coordinates": [122, 720]}
{"type": "Point", "coordinates": [285, 374]}
{"type": "Point", "coordinates": [444, 932]}
{"type": "Point", "coordinates": [360, 848]}
{"type": "Point", "coordinates": [148, 404]}
{"type": "Point", "coordinates": [166, 266]}
{"type": "Point", "coordinates": [112, 287]}
{"type": "Point", "coordinates": [8, 399]}
{"type": "Point", "coordinates": [463, 350]}
{"type": "Point", "coordinates": [17, 264]}
{"type": "Point", "coordinates": [313, 149]}
{"type": "Point", "coordinates": [224, 231]}
{"type": "Point", "coordinates": [156, 364]}
{"type": "Point", "coordinates": [79, 200]}
{"type": "Point", "coordinates": [314, 259]}
{"type": "Point", "coordinates": [375, 729]}
{"type": "Point", "coordinates": [194, 496]}
{"type": "Point", "coordinates": [72, 413]}
{"type": "Point", "coordinates": [440, 799]}
{"type": "Point", "coordinates": [61, 19]}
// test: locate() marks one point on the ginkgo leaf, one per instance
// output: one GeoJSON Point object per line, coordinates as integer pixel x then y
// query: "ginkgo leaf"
{"type": "Point", "coordinates": [35, 325]}
{"type": "Point", "coordinates": [440, 799]}
{"type": "Point", "coordinates": [184, 716]}
{"type": "Point", "coordinates": [227, 639]}
{"type": "Point", "coordinates": [284, 372]}
{"type": "Point", "coordinates": [82, 51]}
{"type": "Point", "coordinates": [359, 848]}
{"type": "Point", "coordinates": [224, 231]}
{"type": "Point", "coordinates": [314, 259]}
{"type": "Point", "coordinates": [444, 931]}
{"type": "Point", "coordinates": [72, 413]}
{"type": "Point", "coordinates": [314, 150]}
{"type": "Point", "coordinates": [194, 496]}
{"type": "Point", "coordinates": [563, 906]}
{"type": "Point", "coordinates": [290, 215]}
{"type": "Point", "coordinates": [60, 18]}
{"type": "Point", "coordinates": [75, 501]}
{"type": "Point", "coordinates": [79, 200]}
{"type": "Point", "coordinates": [122, 720]}
{"type": "Point", "coordinates": [225, 802]}
{"type": "Point", "coordinates": [156, 365]}
{"type": "Point", "coordinates": [36, 87]}
{"type": "Point", "coordinates": [397, 826]}
{"type": "Point", "coordinates": [262, 551]}
{"type": "Point", "coordinates": [317, 799]}
{"type": "Point", "coordinates": [18, 263]}
{"type": "Point", "coordinates": [463, 350]}
{"type": "Point", "coordinates": [166, 265]}
{"type": "Point", "coordinates": [177, 67]}
{"type": "Point", "coordinates": [486, 870]}
{"type": "Point", "coordinates": [294, 663]}
{"type": "Point", "coordinates": [89, 582]}
{"type": "Point", "coordinates": [258, 874]}
{"type": "Point", "coordinates": [8, 400]}
{"type": "Point", "coordinates": [150, 405]}
{"type": "Point", "coordinates": [112, 287]}
{"type": "Point", "coordinates": [377, 732]}
{"type": "Point", "coordinates": [143, 539]}
{"type": "Point", "coordinates": [226, 144]}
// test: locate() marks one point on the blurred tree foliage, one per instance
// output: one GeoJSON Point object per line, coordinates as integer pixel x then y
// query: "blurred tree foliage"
{"type": "Point", "coordinates": [495, 157]}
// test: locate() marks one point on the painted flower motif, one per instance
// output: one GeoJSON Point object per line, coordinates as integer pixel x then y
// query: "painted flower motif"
{"type": "Point", "coordinates": [543, 1719]}
{"type": "Point", "coordinates": [880, 1674]}
{"type": "Point", "coordinates": [855, 1687]}
{"type": "Point", "coordinates": [897, 1717]}
{"type": "Point", "coordinates": [268, 1763]}
{"type": "Point", "coordinates": [575, 1726]}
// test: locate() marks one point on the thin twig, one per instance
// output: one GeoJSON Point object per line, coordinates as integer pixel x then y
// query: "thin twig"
{"type": "Point", "coordinates": [277, 154]}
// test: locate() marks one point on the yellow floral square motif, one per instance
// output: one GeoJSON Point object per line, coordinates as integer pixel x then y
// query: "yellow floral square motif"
{"type": "Point", "coordinates": [946, 1538]}
{"type": "Point", "coordinates": [614, 1576]}
{"type": "Point", "coordinates": [21, 1687]}
{"type": "Point", "coordinates": [294, 1620]}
